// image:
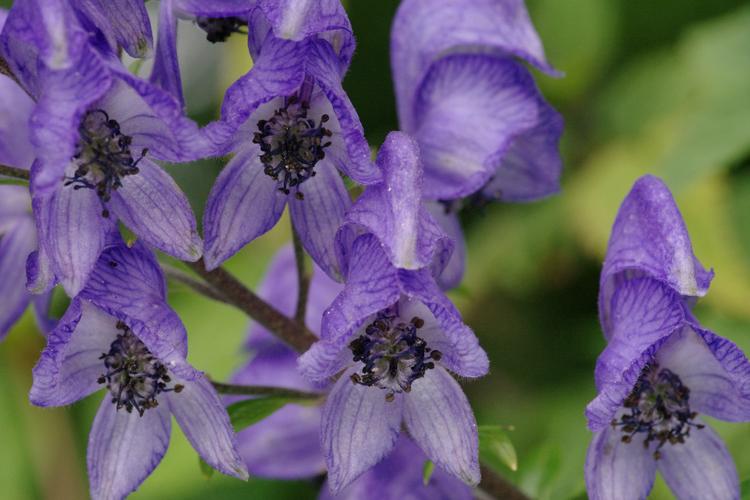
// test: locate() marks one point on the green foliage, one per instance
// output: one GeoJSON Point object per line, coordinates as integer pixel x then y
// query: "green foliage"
{"type": "Point", "coordinates": [427, 470]}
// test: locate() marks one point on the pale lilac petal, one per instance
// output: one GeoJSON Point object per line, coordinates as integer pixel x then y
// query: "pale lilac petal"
{"type": "Point", "coordinates": [166, 70]}
{"type": "Point", "coordinates": [244, 203]}
{"type": "Point", "coordinates": [40, 277]}
{"type": "Point", "coordinates": [393, 211]}
{"type": "Point", "coordinates": [203, 419]}
{"type": "Point", "coordinates": [124, 448]}
{"type": "Point", "coordinates": [41, 306]}
{"type": "Point", "coordinates": [123, 22]}
{"type": "Point", "coordinates": [15, 203]}
{"type": "Point", "coordinates": [616, 470]}
{"type": "Point", "coordinates": [151, 204]}
{"type": "Point", "coordinates": [650, 237]}
{"type": "Point", "coordinates": [453, 273]}
{"type": "Point", "coordinates": [319, 214]}
{"type": "Point", "coordinates": [70, 364]}
{"type": "Point", "coordinates": [459, 345]}
{"type": "Point", "coordinates": [15, 110]}
{"type": "Point", "coordinates": [714, 369]}
{"type": "Point", "coordinates": [323, 360]}
{"type": "Point", "coordinates": [73, 231]}
{"type": "Point", "coordinates": [469, 111]}
{"type": "Point", "coordinates": [359, 427]}
{"type": "Point", "coordinates": [425, 30]}
{"type": "Point", "coordinates": [440, 421]}
{"type": "Point", "coordinates": [700, 468]}
{"type": "Point", "coordinates": [15, 246]}
{"type": "Point", "coordinates": [399, 475]}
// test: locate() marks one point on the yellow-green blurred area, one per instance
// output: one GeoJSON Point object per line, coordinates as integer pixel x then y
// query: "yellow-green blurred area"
{"type": "Point", "coordinates": [660, 87]}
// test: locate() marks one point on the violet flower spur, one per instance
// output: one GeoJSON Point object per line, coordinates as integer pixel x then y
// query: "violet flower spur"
{"type": "Point", "coordinates": [285, 445]}
{"type": "Point", "coordinates": [661, 368]}
{"type": "Point", "coordinates": [288, 19]}
{"type": "Point", "coordinates": [292, 130]}
{"type": "Point", "coordinates": [94, 129]}
{"type": "Point", "coordinates": [394, 335]}
{"type": "Point", "coordinates": [120, 334]}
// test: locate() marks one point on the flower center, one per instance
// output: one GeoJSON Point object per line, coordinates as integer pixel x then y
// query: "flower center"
{"type": "Point", "coordinates": [291, 144]}
{"type": "Point", "coordinates": [219, 29]}
{"type": "Point", "coordinates": [103, 156]}
{"type": "Point", "coordinates": [392, 353]}
{"type": "Point", "coordinates": [659, 408]}
{"type": "Point", "coordinates": [133, 375]}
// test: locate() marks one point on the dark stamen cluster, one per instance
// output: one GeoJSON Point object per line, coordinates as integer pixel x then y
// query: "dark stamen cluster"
{"type": "Point", "coordinates": [133, 375]}
{"type": "Point", "coordinates": [219, 29]}
{"type": "Point", "coordinates": [394, 356]}
{"type": "Point", "coordinates": [103, 156]}
{"type": "Point", "coordinates": [659, 408]}
{"type": "Point", "coordinates": [291, 144]}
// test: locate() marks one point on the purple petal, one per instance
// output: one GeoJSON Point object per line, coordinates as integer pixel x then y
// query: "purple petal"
{"type": "Point", "coordinates": [323, 65]}
{"type": "Point", "coordinates": [273, 364]}
{"type": "Point", "coordinates": [151, 204]}
{"type": "Point", "coordinates": [243, 204]}
{"type": "Point", "coordinates": [128, 284]}
{"type": "Point", "coordinates": [440, 420]}
{"type": "Point", "coordinates": [359, 427]}
{"type": "Point", "coordinates": [73, 231]}
{"type": "Point", "coordinates": [215, 8]}
{"type": "Point", "coordinates": [40, 277]}
{"type": "Point", "coordinates": [15, 246]}
{"type": "Point", "coordinates": [700, 468]}
{"type": "Point", "coordinates": [15, 203]}
{"type": "Point", "coordinates": [299, 19]}
{"type": "Point", "coordinates": [123, 22]}
{"type": "Point", "coordinates": [650, 237]}
{"type": "Point", "coordinates": [465, 139]}
{"type": "Point", "coordinates": [399, 475]}
{"type": "Point", "coordinates": [617, 470]}
{"type": "Point", "coordinates": [646, 314]}
{"type": "Point", "coordinates": [70, 364]}
{"type": "Point", "coordinates": [124, 448]}
{"type": "Point", "coordinates": [205, 423]}
{"type": "Point", "coordinates": [15, 110]}
{"type": "Point", "coordinates": [425, 30]}
{"type": "Point", "coordinates": [166, 71]}
{"type": "Point", "coordinates": [42, 304]}
{"type": "Point", "coordinates": [460, 347]}
{"type": "Point", "coordinates": [392, 210]}
{"type": "Point", "coordinates": [453, 273]}
{"type": "Point", "coordinates": [318, 216]}
{"type": "Point", "coordinates": [714, 369]}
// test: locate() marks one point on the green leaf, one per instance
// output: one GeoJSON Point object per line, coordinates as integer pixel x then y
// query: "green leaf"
{"type": "Point", "coordinates": [206, 469]}
{"type": "Point", "coordinates": [251, 411]}
{"type": "Point", "coordinates": [745, 489]}
{"type": "Point", "coordinates": [427, 470]}
{"type": "Point", "coordinates": [495, 448]}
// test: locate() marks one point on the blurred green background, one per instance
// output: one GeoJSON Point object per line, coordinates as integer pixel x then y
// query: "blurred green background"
{"type": "Point", "coordinates": [660, 87]}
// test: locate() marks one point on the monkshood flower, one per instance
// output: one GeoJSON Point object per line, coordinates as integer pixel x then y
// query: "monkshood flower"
{"type": "Point", "coordinates": [394, 212]}
{"type": "Point", "coordinates": [661, 369]}
{"type": "Point", "coordinates": [119, 23]}
{"type": "Point", "coordinates": [292, 129]}
{"type": "Point", "coordinates": [399, 475]}
{"type": "Point", "coordinates": [120, 335]}
{"type": "Point", "coordinates": [394, 335]}
{"type": "Point", "coordinates": [285, 445]}
{"type": "Point", "coordinates": [287, 19]}
{"type": "Point", "coordinates": [94, 129]}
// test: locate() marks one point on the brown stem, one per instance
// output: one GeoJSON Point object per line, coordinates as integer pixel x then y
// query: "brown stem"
{"type": "Point", "coordinates": [252, 390]}
{"type": "Point", "coordinates": [498, 487]}
{"type": "Point", "coordinates": [237, 294]}
{"type": "Point", "coordinates": [303, 278]}
{"type": "Point", "coordinates": [197, 285]}
{"type": "Point", "coordinates": [18, 173]}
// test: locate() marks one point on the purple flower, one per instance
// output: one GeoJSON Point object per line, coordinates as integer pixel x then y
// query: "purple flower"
{"type": "Point", "coordinates": [394, 212]}
{"type": "Point", "coordinates": [479, 119]}
{"type": "Point", "coordinates": [121, 23]}
{"type": "Point", "coordinates": [120, 334]}
{"type": "Point", "coordinates": [285, 445]}
{"type": "Point", "coordinates": [661, 368]}
{"type": "Point", "coordinates": [400, 476]}
{"type": "Point", "coordinates": [94, 129]}
{"type": "Point", "coordinates": [288, 19]}
{"type": "Point", "coordinates": [292, 129]}
{"type": "Point", "coordinates": [395, 336]}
